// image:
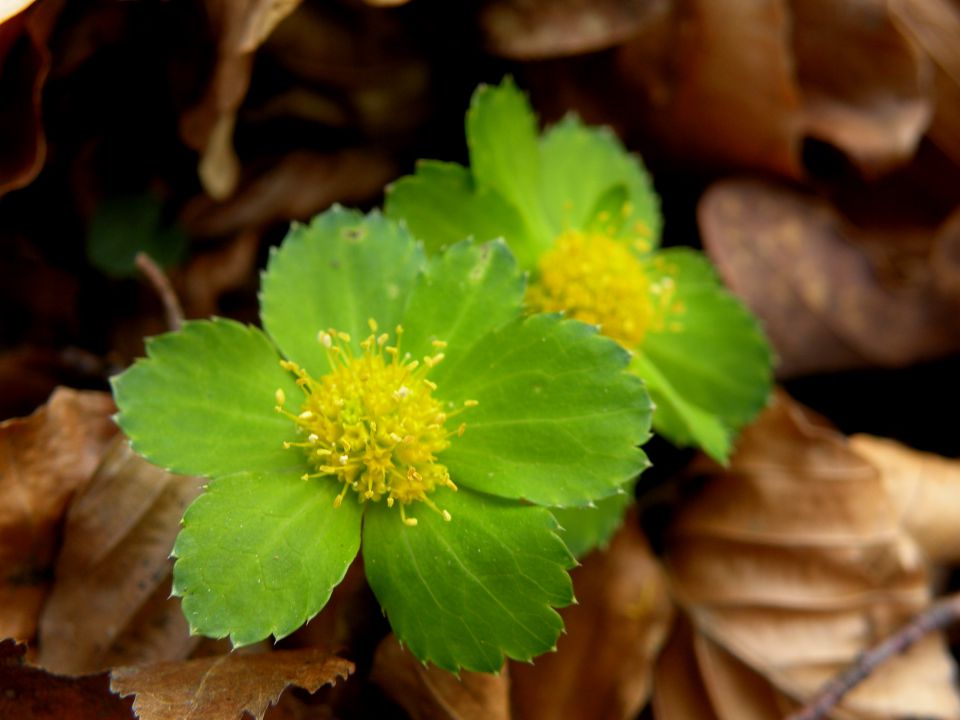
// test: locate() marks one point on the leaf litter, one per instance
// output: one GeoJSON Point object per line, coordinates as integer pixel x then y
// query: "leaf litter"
{"type": "Point", "coordinates": [782, 568]}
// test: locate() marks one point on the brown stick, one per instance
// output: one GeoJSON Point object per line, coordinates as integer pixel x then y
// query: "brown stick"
{"type": "Point", "coordinates": [161, 283]}
{"type": "Point", "coordinates": [936, 617]}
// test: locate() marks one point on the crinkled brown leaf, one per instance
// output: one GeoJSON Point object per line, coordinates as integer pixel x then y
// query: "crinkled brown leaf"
{"type": "Point", "coordinates": [239, 28]}
{"type": "Point", "coordinates": [24, 64]}
{"type": "Point", "coordinates": [866, 87]}
{"type": "Point", "coordinates": [740, 83]}
{"type": "Point", "coordinates": [793, 561]}
{"type": "Point", "coordinates": [44, 459]}
{"type": "Point", "coordinates": [927, 488]}
{"type": "Point", "coordinates": [806, 273]}
{"type": "Point", "coordinates": [299, 185]}
{"type": "Point", "coordinates": [534, 29]}
{"type": "Point", "coordinates": [9, 8]}
{"type": "Point", "coordinates": [224, 687]}
{"type": "Point", "coordinates": [33, 694]}
{"type": "Point", "coordinates": [724, 92]}
{"type": "Point", "coordinates": [210, 274]}
{"type": "Point", "coordinates": [110, 603]}
{"type": "Point", "coordinates": [604, 662]}
{"type": "Point", "coordinates": [428, 693]}
{"type": "Point", "coordinates": [935, 25]}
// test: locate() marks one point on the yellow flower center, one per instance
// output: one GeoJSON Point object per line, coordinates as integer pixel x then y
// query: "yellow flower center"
{"type": "Point", "coordinates": [599, 280]}
{"type": "Point", "coordinates": [372, 423]}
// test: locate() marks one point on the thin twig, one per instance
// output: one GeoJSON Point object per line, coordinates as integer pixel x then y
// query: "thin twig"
{"type": "Point", "coordinates": [161, 283]}
{"type": "Point", "coordinates": [936, 617]}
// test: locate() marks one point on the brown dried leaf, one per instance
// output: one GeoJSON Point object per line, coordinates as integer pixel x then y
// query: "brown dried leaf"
{"type": "Point", "coordinates": [927, 491]}
{"type": "Point", "coordinates": [212, 273]}
{"type": "Point", "coordinates": [935, 25]}
{"type": "Point", "coordinates": [725, 92]}
{"type": "Point", "coordinates": [807, 275]}
{"type": "Point", "coordinates": [9, 8]}
{"type": "Point", "coordinates": [240, 28]}
{"type": "Point", "coordinates": [226, 686]}
{"type": "Point", "coordinates": [44, 459]}
{"type": "Point", "coordinates": [298, 186]}
{"type": "Point", "coordinates": [735, 83]}
{"type": "Point", "coordinates": [536, 29]}
{"type": "Point", "coordinates": [110, 603]}
{"type": "Point", "coordinates": [793, 561]}
{"type": "Point", "coordinates": [679, 693]}
{"type": "Point", "coordinates": [866, 88]}
{"type": "Point", "coordinates": [604, 662]}
{"type": "Point", "coordinates": [34, 694]}
{"type": "Point", "coordinates": [428, 693]}
{"type": "Point", "coordinates": [24, 64]}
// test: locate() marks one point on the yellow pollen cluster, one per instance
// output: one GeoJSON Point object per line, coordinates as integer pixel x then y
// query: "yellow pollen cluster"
{"type": "Point", "coordinates": [597, 279]}
{"type": "Point", "coordinates": [373, 423]}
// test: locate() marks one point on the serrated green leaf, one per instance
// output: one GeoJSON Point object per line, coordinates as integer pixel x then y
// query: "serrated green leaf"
{"type": "Point", "coordinates": [260, 553]}
{"type": "Point", "coordinates": [464, 294]}
{"type": "Point", "coordinates": [578, 165]}
{"type": "Point", "coordinates": [587, 528]}
{"type": "Point", "coordinates": [125, 225]}
{"type": "Point", "coordinates": [558, 421]}
{"type": "Point", "coordinates": [442, 205]}
{"type": "Point", "coordinates": [465, 593]}
{"type": "Point", "coordinates": [202, 402]}
{"type": "Point", "coordinates": [339, 271]}
{"type": "Point", "coordinates": [712, 372]}
{"type": "Point", "coordinates": [678, 419]}
{"type": "Point", "coordinates": [504, 154]}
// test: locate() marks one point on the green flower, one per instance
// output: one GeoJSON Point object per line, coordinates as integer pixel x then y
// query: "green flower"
{"type": "Point", "coordinates": [580, 215]}
{"type": "Point", "coordinates": [405, 403]}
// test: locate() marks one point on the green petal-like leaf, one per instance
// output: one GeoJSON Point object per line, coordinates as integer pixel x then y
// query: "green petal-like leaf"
{"type": "Point", "coordinates": [260, 553]}
{"type": "Point", "coordinates": [558, 421]}
{"type": "Point", "coordinates": [339, 271]}
{"type": "Point", "coordinates": [711, 373]}
{"type": "Point", "coordinates": [504, 154]}
{"type": "Point", "coordinates": [467, 592]}
{"type": "Point", "coordinates": [677, 418]}
{"type": "Point", "coordinates": [202, 402]}
{"type": "Point", "coordinates": [579, 165]}
{"type": "Point", "coordinates": [464, 294]}
{"type": "Point", "coordinates": [587, 528]}
{"type": "Point", "coordinates": [441, 206]}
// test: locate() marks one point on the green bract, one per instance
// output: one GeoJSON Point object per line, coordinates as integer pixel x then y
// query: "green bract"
{"type": "Point", "coordinates": [580, 214]}
{"type": "Point", "coordinates": [374, 428]}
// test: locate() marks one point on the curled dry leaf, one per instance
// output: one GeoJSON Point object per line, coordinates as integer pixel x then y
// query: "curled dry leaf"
{"type": "Point", "coordinates": [536, 29]}
{"type": "Point", "coordinates": [35, 694]}
{"type": "Point", "coordinates": [225, 687]}
{"type": "Point", "coordinates": [742, 84]}
{"type": "Point", "coordinates": [211, 273]}
{"type": "Point", "coordinates": [24, 64]}
{"type": "Point", "coordinates": [866, 88]}
{"type": "Point", "coordinates": [299, 185]}
{"type": "Point", "coordinates": [9, 8]}
{"type": "Point", "coordinates": [110, 603]}
{"type": "Point", "coordinates": [789, 564]}
{"type": "Point", "coordinates": [725, 91]}
{"type": "Point", "coordinates": [927, 489]}
{"type": "Point", "coordinates": [428, 693]}
{"type": "Point", "coordinates": [239, 28]}
{"type": "Point", "coordinates": [44, 459]}
{"type": "Point", "coordinates": [807, 274]}
{"type": "Point", "coordinates": [604, 662]}
{"type": "Point", "coordinates": [935, 25]}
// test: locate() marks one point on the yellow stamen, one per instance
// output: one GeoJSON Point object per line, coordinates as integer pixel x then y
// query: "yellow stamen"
{"type": "Point", "coordinates": [599, 280]}
{"type": "Point", "coordinates": [372, 422]}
